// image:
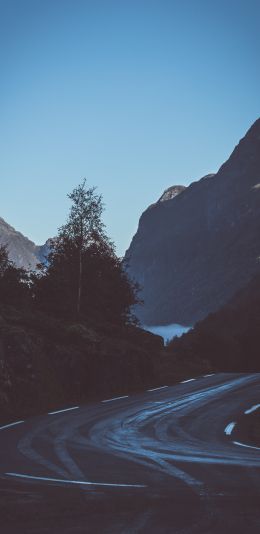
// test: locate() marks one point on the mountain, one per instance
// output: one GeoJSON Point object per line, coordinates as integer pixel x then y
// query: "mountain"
{"type": "Point", "coordinates": [193, 251]}
{"type": "Point", "coordinates": [22, 251]}
{"type": "Point", "coordinates": [227, 339]}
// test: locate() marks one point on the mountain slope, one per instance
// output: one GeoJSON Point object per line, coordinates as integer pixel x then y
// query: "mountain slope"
{"type": "Point", "coordinates": [229, 338]}
{"type": "Point", "coordinates": [22, 251]}
{"type": "Point", "coordinates": [191, 253]}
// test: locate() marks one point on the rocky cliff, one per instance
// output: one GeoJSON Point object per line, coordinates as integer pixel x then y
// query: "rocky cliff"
{"type": "Point", "coordinates": [22, 251]}
{"type": "Point", "coordinates": [194, 250]}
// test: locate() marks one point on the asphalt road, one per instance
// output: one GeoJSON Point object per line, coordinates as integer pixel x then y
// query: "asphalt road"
{"type": "Point", "coordinates": [170, 460]}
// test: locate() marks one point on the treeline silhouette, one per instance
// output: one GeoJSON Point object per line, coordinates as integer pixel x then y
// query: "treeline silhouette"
{"type": "Point", "coordinates": [82, 278]}
{"type": "Point", "coordinates": [67, 332]}
{"type": "Point", "coordinates": [229, 339]}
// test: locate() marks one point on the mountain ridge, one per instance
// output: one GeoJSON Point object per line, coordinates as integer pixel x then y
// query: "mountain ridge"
{"type": "Point", "coordinates": [21, 250]}
{"type": "Point", "coordinates": [192, 252]}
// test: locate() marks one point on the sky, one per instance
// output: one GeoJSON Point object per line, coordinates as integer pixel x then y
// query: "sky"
{"type": "Point", "coordinates": [133, 95]}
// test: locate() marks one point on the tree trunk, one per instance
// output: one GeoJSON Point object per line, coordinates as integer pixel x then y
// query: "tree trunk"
{"type": "Point", "coordinates": [79, 282]}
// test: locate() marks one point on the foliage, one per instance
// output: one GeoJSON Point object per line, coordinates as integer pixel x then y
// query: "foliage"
{"type": "Point", "coordinates": [83, 275]}
{"type": "Point", "coordinates": [14, 281]}
{"type": "Point", "coordinates": [229, 338]}
{"type": "Point", "coordinates": [83, 227]}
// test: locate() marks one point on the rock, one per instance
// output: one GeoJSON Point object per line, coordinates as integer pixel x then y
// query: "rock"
{"type": "Point", "coordinates": [22, 251]}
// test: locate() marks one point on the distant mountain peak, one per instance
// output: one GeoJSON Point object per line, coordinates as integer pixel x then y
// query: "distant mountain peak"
{"type": "Point", "coordinates": [11, 231]}
{"type": "Point", "coordinates": [21, 250]}
{"type": "Point", "coordinates": [171, 192]}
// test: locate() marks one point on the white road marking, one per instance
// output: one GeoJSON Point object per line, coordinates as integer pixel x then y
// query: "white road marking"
{"type": "Point", "coordinates": [189, 380]}
{"type": "Point", "coordinates": [116, 398]}
{"type": "Point", "coordinates": [244, 445]}
{"type": "Point", "coordinates": [253, 409]}
{"type": "Point", "coordinates": [229, 428]}
{"type": "Point", "coordinates": [65, 410]}
{"type": "Point", "coordinates": [80, 482]}
{"type": "Point", "coordinates": [156, 389]}
{"type": "Point", "coordinates": [211, 374]}
{"type": "Point", "coordinates": [11, 424]}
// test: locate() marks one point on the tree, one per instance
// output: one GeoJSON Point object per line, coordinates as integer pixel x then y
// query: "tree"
{"type": "Point", "coordinates": [14, 281]}
{"type": "Point", "coordinates": [83, 276]}
{"type": "Point", "coordinates": [84, 225]}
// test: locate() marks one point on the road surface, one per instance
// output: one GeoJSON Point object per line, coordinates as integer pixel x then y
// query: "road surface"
{"type": "Point", "coordinates": [169, 460]}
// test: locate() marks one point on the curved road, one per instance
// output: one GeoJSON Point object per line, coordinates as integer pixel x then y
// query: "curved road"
{"type": "Point", "coordinates": [170, 460]}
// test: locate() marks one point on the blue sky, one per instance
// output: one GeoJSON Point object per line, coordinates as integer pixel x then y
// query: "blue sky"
{"type": "Point", "coordinates": [134, 95]}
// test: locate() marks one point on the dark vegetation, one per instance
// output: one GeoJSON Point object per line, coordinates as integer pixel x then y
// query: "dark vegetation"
{"type": "Point", "coordinates": [83, 278]}
{"type": "Point", "coordinates": [228, 339]}
{"type": "Point", "coordinates": [67, 333]}
{"type": "Point", "coordinates": [48, 363]}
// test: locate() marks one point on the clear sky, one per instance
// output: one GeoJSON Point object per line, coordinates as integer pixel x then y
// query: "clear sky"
{"type": "Point", "coordinates": [134, 95]}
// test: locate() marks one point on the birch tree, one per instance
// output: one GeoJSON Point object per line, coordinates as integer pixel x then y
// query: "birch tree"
{"type": "Point", "coordinates": [84, 226]}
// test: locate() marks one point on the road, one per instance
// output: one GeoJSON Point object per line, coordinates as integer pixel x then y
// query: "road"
{"type": "Point", "coordinates": [169, 460]}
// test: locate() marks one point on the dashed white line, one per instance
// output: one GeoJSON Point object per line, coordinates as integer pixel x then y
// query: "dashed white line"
{"type": "Point", "coordinates": [115, 398]}
{"type": "Point", "coordinates": [156, 389]}
{"type": "Point", "coordinates": [80, 482]}
{"type": "Point", "coordinates": [11, 424]}
{"type": "Point", "coordinates": [244, 445]}
{"type": "Point", "coordinates": [189, 380]}
{"type": "Point", "coordinates": [229, 428]}
{"type": "Point", "coordinates": [65, 410]}
{"type": "Point", "coordinates": [253, 409]}
{"type": "Point", "coordinates": [211, 374]}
